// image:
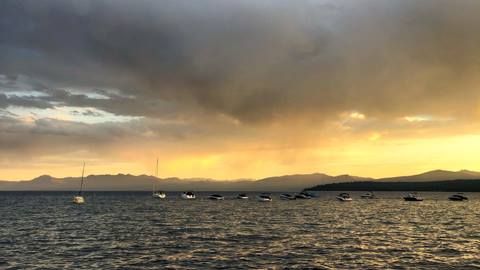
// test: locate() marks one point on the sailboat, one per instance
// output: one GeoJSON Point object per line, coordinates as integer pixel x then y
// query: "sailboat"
{"type": "Point", "coordinates": [78, 199]}
{"type": "Point", "coordinates": [155, 193]}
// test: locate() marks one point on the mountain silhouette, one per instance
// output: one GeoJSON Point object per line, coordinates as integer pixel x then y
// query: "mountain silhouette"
{"type": "Point", "coordinates": [296, 182]}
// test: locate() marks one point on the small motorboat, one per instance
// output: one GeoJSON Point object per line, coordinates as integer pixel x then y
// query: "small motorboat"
{"type": "Point", "coordinates": [159, 195]}
{"type": "Point", "coordinates": [242, 196]}
{"type": "Point", "coordinates": [188, 195]}
{"type": "Point", "coordinates": [264, 198]}
{"type": "Point", "coordinates": [368, 195]}
{"type": "Point", "coordinates": [303, 195]}
{"type": "Point", "coordinates": [216, 197]}
{"type": "Point", "coordinates": [412, 197]}
{"type": "Point", "coordinates": [344, 197]}
{"type": "Point", "coordinates": [286, 196]}
{"type": "Point", "coordinates": [458, 197]}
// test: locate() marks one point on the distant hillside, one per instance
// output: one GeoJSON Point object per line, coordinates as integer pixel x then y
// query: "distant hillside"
{"type": "Point", "coordinates": [297, 182]}
{"type": "Point", "coordinates": [447, 185]}
{"type": "Point", "coordinates": [144, 182]}
{"type": "Point", "coordinates": [436, 175]}
{"type": "Point", "coordinates": [293, 182]}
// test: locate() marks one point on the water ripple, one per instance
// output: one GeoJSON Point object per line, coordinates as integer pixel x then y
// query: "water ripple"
{"type": "Point", "coordinates": [134, 231]}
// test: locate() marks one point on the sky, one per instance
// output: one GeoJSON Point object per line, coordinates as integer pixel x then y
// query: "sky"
{"type": "Point", "coordinates": [238, 89]}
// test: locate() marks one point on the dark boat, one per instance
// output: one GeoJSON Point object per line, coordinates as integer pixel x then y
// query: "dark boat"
{"type": "Point", "coordinates": [216, 197]}
{"type": "Point", "coordinates": [264, 198]}
{"type": "Point", "coordinates": [286, 196]}
{"type": "Point", "coordinates": [457, 197]}
{"type": "Point", "coordinates": [413, 198]}
{"type": "Point", "coordinates": [303, 195]}
{"type": "Point", "coordinates": [368, 195]}
{"type": "Point", "coordinates": [242, 196]}
{"type": "Point", "coordinates": [344, 197]}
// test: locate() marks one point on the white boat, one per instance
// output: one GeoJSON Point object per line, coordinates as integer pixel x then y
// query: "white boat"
{"type": "Point", "coordinates": [216, 197]}
{"type": "Point", "coordinates": [286, 196]}
{"type": "Point", "coordinates": [78, 199]}
{"type": "Point", "coordinates": [159, 194]}
{"type": "Point", "coordinates": [156, 193]}
{"type": "Point", "coordinates": [242, 196]}
{"type": "Point", "coordinates": [412, 197]}
{"type": "Point", "coordinates": [368, 195]}
{"type": "Point", "coordinates": [344, 197]}
{"type": "Point", "coordinates": [264, 198]}
{"type": "Point", "coordinates": [188, 195]}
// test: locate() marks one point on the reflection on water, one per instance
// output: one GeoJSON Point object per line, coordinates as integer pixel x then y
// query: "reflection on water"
{"type": "Point", "coordinates": [136, 231]}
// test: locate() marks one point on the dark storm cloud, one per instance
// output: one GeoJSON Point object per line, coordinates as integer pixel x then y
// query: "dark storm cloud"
{"type": "Point", "coordinates": [45, 136]}
{"type": "Point", "coordinates": [29, 102]}
{"type": "Point", "coordinates": [251, 60]}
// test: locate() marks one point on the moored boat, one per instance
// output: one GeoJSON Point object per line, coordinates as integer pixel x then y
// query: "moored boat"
{"type": "Point", "coordinates": [286, 196]}
{"type": "Point", "coordinates": [412, 197]}
{"type": "Point", "coordinates": [216, 197]}
{"type": "Point", "coordinates": [242, 196]}
{"type": "Point", "coordinates": [368, 195]}
{"type": "Point", "coordinates": [78, 199]}
{"type": "Point", "coordinates": [156, 193]}
{"type": "Point", "coordinates": [159, 194]}
{"type": "Point", "coordinates": [303, 195]}
{"type": "Point", "coordinates": [264, 198]}
{"type": "Point", "coordinates": [188, 195]}
{"type": "Point", "coordinates": [344, 197]}
{"type": "Point", "coordinates": [457, 197]}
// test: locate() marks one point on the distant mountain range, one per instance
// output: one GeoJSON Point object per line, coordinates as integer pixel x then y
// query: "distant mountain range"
{"type": "Point", "coordinates": [297, 182]}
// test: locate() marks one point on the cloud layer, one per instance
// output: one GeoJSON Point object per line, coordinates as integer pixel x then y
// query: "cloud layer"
{"type": "Point", "coordinates": [214, 75]}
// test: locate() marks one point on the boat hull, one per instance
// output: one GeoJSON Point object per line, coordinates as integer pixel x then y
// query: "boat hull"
{"type": "Point", "coordinates": [215, 198]}
{"type": "Point", "coordinates": [412, 199]}
{"type": "Point", "coordinates": [159, 195]}
{"type": "Point", "coordinates": [457, 198]}
{"type": "Point", "coordinates": [303, 196]}
{"type": "Point", "coordinates": [367, 196]}
{"type": "Point", "coordinates": [188, 197]}
{"type": "Point", "coordinates": [261, 199]}
{"type": "Point", "coordinates": [287, 197]}
{"type": "Point", "coordinates": [78, 200]}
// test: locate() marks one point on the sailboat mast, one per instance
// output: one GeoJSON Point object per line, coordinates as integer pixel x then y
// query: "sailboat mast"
{"type": "Point", "coordinates": [155, 180]}
{"type": "Point", "coordinates": [81, 182]}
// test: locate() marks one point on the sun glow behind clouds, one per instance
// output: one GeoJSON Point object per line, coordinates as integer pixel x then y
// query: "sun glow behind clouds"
{"type": "Point", "coordinates": [426, 118]}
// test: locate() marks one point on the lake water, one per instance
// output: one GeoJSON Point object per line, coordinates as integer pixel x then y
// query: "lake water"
{"type": "Point", "coordinates": [132, 230]}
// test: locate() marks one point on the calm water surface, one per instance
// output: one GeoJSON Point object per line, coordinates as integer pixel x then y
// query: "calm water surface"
{"type": "Point", "coordinates": [134, 231]}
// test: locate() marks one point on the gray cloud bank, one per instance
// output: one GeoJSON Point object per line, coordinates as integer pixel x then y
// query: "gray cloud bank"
{"type": "Point", "coordinates": [254, 62]}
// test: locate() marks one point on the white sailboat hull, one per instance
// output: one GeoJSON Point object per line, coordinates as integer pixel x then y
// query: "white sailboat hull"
{"type": "Point", "coordinates": [78, 199]}
{"type": "Point", "coordinates": [159, 195]}
{"type": "Point", "coordinates": [187, 197]}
